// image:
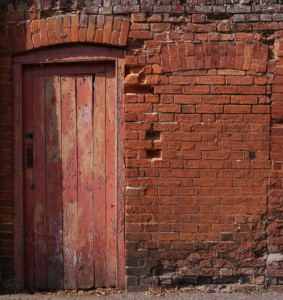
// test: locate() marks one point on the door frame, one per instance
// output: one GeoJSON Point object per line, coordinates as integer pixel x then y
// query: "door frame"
{"type": "Point", "coordinates": [55, 55]}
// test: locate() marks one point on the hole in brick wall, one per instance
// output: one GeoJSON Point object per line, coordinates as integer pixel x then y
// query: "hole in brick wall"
{"type": "Point", "coordinates": [139, 89]}
{"type": "Point", "coordinates": [219, 16]}
{"type": "Point", "coordinates": [268, 38]}
{"type": "Point", "coordinates": [127, 70]}
{"type": "Point", "coordinates": [252, 155]}
{"type": "Point", "coordinates": [134, 44]}
{"type": "Point", "coordinates": [260, 253]}
{"type": "Point", "coordinates": [232, 279]}
{"type": "Point", "coordinates": [137, 70]}
{"type": "Point", "coordinates": [153, 153]}
{"type": "Point", "coordinates": [267, 34]}
{"type": "Point", "coordinates": [276, 121]}
{"type": "Point", "coordinates": [271, 53]}
{"type": "Point", "coordinates": [152, 135]}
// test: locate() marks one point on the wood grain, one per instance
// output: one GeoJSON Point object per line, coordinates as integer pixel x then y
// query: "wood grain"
{"type": "Point", "coordinates": [54, 183]}
{"type": "Point", "coordinates": [69, 180]}
{"type": "Point", "coordinates": [99, 180]}
{"type": "Point", "coordinates": [85, 181]}
{"type": "Point", "coordinates": [110, 147]}
{"type": "Point", "coordinates": [28, 185]}
{"type": "Point", "coordinates": [39, 170]}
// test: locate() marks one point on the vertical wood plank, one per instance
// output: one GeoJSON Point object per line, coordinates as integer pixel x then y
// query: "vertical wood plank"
{"type": "Point", "coordinates": [110, 132]}
{"type": "Point", "coordinates": [39, 184]}
{"type": "Point", "coordinates": [99, 179]}
{"type": "Point", "coordinates": [69, 180]}
{"type": "Point", "coordinates": [120, 213]}
{"type": "Point", "coordinates": [54, 183]}
{"type": "Point", "coordinates": [18, 219]}
{"type": "Point", "coordinates": [85, 181]}
{"type": "Point", "coordinates": [28, 184]}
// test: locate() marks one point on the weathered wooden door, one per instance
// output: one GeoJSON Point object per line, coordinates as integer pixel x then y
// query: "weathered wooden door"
{"type": "Point", "coordinates": [69, 176]}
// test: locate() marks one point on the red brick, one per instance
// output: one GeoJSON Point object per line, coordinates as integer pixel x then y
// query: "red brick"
{"type": "Point", "coordinates": [82, 34]}
{"type": "Point", "coordinates": [182, 56]}
{"type": "Point", "coordinates": [237, 109]}
{"type": "Point", "coordinates": [124, 32]}
{"type": "Point", "coordinates": [59, 29]}
{"type": "Point", "coordinates": [223, 55]}
{"type": "Point", "coordinates": [224, 89]}
{"type": "Point", "coordinates": [187, 99]}
{"type": "Point", "coordinates": [263, 59]}
{"type": "Point", "coordinates": [198, 56]}
{"type": "Point", "coordinates": [240, 80]}
{"type": "Point", "coordinates": [239, 55]}
{"type": "Point", "coordinates": [211, 80]}
{"type": "Point", "coordinates": [36, 40]}
{"type": "Point", "coordinates": [167, 89]}
{"type": "Point", "coordinates": [67, 22]}
{"type": "Point", "coordinates": [107, 30]}
{"type": "Point", "coordinates": [248, 49]}
{"type": "Point", "coordinates": [52, 38]}
{"type": "Point", "coordinates": [165, 58]}
{"type": "Point", "coordinates": [91, 28]}
{"type": "Point", "coordinates": [215, 99]}
{"type": "Point", "coordinates": [43, 32]}
{"type": "Point", "coordinates": [182, 80]}
{"type": "Point", "coordinates": [203, 89]}
{"type": "Point", "coordinates": [75, 28]}
{"type": "Point", "coordinates": [173, 57]}
{"type": "Point", "coordinates": [34, 27]}
{"type": "Point", "coordinates": [143, 35]}
{"type": "Point", "coordinates": [256, 90]}
{"type": "Point", "coordinates": [214, 55]}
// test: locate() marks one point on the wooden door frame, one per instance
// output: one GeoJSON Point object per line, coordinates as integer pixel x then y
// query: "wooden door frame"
{"type": "Point", "coordinates": [65, 54]}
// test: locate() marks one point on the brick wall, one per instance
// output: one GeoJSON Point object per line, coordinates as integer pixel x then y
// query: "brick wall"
{"type": "Point", "coordinates": [203, 130]}
{"type": "Point", "coordinates": [6, 195]}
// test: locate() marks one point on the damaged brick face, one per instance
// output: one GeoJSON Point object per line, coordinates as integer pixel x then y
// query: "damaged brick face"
{"type": "Point", "coordinates": [203, 142]}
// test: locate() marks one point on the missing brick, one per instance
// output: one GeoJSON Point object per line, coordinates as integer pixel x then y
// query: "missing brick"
{"type": "Point", "coordinates": [139, 89]}
{"type": "Point", "coordinates": [219, 16]}
{"type": "Point", "coordinates": [252, 154]}
{"type": "Point", "coordinates": [153, 153]}
{"type": "Point", "coordinates": [276, 122]}
{"type": "Point", "coordinates": [152, 134]}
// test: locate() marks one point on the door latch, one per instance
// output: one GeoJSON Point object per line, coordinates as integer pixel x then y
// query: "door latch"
{"type": "Point", "coordinates": [29, 135]}
{"type": "Point", "coordinates": [29, 156]}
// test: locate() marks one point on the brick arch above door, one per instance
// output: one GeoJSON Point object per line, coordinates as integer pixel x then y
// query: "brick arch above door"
{"type": "Point", "coordinates": [66, 29]}
{"type": "Point", "coordinates": [190, 55]}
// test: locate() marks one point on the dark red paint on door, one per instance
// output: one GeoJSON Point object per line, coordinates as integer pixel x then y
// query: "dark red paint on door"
{"type": "Point", "coordinates": [70, 176]}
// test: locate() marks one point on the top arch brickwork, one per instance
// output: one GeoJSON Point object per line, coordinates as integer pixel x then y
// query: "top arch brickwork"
{"type": "Point", "coordinates": [212, 55]}
{"type": "Point", "coordinates": [70, 28]}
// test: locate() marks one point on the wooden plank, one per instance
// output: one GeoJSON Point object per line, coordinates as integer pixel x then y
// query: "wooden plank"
{"type": "Point", "coordinates": [71, 54]}
{"type": "Point", "coordinates": [85, 181]}
{"type": "Point", "coordinates": [120, 213]}
{"type": "Point", "coordinates": [69, 180]}
{"type": "Point", "coordinates": [99, 179]}
{"type": "Point", "coordinates": [110, 132]}
{"type": "Point", "coordinates": [54, 182]}
{"type": "Point", "coordinates": [18, 178]}
{"type": "Point", "coordinates": [67, 70]}
{"type": "Point", "coordinates": [28, 184]}
{"type": "Point", "coordinates": [40, 255]}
